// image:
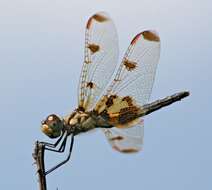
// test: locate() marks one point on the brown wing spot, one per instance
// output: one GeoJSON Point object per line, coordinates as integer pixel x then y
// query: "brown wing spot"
{"type": "Point", "coordinates": [129, 100]}
{"type": "Point", "coordinates": [118, 138]}
{"type": "Point", "coordinates": [110, 99]}
{"type": "Point", "coordinates": [116, 80]}
{"type": "Point", "coordinates": [98, 18]}
{"type": "Point", "coordinates": [130, 65]}
{"type": "Point", "coordinates": [125, 150]}
{"type": "Point", "coordinates": [129, 150]}
{"type": "Point", "coordinates": [90, 85]}
{"type": "Point", "coordinates": [93, 47]}
{"type": "Point", "coordinates": [151, 36]}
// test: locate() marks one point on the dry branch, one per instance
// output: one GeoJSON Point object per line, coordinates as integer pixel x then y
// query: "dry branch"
{"type": "Point", "coordinates": [38, 155]}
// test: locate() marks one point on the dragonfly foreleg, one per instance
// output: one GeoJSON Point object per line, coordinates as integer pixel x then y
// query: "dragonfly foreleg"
{"type": "Point", "coordinates": [66, 160]}
{"type": "Point", "coordinates": [62, 146]}
{"type": "Point", "coordinates": [53, 145]}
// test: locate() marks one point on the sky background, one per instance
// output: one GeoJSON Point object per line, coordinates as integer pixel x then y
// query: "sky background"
{"type": "Point", "coordinates": [41, 54]}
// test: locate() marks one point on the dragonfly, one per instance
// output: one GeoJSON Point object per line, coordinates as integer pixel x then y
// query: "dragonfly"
{"type": "Point", "coordinates": [115, 102]}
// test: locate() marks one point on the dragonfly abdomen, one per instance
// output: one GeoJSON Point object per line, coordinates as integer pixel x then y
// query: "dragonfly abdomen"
{"type": "Point", "coordinates": [158, 104]}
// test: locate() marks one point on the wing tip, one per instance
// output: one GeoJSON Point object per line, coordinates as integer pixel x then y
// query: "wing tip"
{"type": "Point", "coordinates": [135, 39]}
{"type": "Point", "coordinates": [99, 17]}
{"type": "Point", "coordinates": [150, 35]}
{"type": "Point", "coordinates": [126, 150]}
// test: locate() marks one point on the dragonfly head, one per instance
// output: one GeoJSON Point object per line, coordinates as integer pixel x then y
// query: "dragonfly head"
{"type": "Point", "coordinates": [52, 126]}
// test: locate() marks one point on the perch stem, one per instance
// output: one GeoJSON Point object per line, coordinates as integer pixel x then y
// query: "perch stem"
{"type": "Point", "coordinates": [38, 155]}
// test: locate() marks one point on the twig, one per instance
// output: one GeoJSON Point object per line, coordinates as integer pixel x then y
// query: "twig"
{"type": "Point", "coordinates": [38, 155]}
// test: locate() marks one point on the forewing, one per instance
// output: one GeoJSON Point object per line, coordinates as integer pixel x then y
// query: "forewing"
{"type": "Point", "coordinates": [126, 140]}
{"type": "Point", "coordinates": [132, 85]}
{"type": "Point", "coordinates": [101, 56]}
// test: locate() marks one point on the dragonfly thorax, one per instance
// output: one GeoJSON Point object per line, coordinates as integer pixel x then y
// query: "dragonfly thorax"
{"type": "Point", "coordinates": [78, 122]}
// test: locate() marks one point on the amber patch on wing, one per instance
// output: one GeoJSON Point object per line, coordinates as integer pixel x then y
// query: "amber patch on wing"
{"type": "Point", "coordinates": [90, 85]}
{"type": "Point", "coordinates": [128, 99]}
{"type": "Point", "coordinates": [93, 47]}
{"type": "Point", "coordinates": [130, 65]}
{"type": "Point", "coordinates": [151, 36]}
{"type": "Point", "coordinates": [129, 150]}
{"type": "Point", "coordinates": [118, 138]}
{"type": "Point", "coordinates": [109, 101]}
{"type": "Point", "coordinates": [118, 111]}
{"type": "Point", "coordinates": [125, 150]}
{"type": "Point", "coordinates": [98, 17]}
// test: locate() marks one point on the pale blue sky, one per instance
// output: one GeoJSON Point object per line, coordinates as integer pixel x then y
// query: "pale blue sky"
{"type": "Point", "coordinates": [41, 54]}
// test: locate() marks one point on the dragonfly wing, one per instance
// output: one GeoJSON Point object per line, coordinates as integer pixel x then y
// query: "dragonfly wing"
{"type": "Point", "coordinates": [101, 56]}
{"type": "Point", "coordinates": [136, 73]}
{"type": "Point", "coordinates": [127, 140]}
{"type": "Point", "coordinates": [132, 85]}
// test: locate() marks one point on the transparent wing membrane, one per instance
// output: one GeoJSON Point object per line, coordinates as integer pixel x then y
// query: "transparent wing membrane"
{"type": "Point", "coordinates": [127, 140]}
{"type": "Point", "coordinates": [101, 56]}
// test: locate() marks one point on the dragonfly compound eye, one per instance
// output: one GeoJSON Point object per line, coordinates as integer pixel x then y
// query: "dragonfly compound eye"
{"type": "Point", "coordinates": [52, 126]}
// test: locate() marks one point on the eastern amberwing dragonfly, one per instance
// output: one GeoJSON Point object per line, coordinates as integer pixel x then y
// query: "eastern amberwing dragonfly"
{"type": "Point", "coordinates": [116, 106]}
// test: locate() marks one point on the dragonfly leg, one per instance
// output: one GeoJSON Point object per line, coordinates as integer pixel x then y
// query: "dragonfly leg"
{"type": "Point", "coordinates": [53, 145]}
{"type": "Point", "coordinates": [66, 160]}
{"type": "Point", "coordinates": [62, 146]}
